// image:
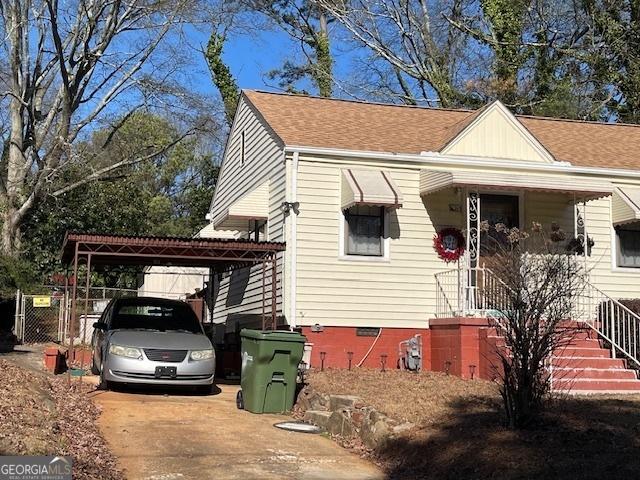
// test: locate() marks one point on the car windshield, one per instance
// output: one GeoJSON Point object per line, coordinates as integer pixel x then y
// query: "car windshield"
{"type": "Point", "coordinates": [152, 315]}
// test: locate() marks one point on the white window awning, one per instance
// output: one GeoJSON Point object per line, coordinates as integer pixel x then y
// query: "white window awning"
{"type": "Point", "coordinates": [625, 205]}
{"type": "Point", "coordinates": [586, 188]}
{"type": "Point", "coordinates": [252, 206]}
{"type": "Point", "coordinates": [369, 187]}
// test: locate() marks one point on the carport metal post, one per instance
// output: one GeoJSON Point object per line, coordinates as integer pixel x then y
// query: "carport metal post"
{"type": "Point", "coordinates": [86, 312]}
{"type": "Point", "coordinates": [74, 294]}
{"type": "Point", "coordinates": [72, 317]}
{"type": "Point", "coordinates": [274, 289]}
{"type": "Point", "coordinates": [264, 295]}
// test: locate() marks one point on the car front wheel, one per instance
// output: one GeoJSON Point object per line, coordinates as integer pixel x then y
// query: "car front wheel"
{"type": "Point", "coordinates": [94, 368]}
{"type": "Point", "coordinates": [104, 384]}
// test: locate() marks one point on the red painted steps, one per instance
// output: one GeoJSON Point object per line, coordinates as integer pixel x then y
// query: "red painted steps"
{"type": "Point", "coordinates": [584, 366]}
{"type": "Point", "coordinates": [586, 386]}
{"type": "Point", "coordinates": [582, 363]}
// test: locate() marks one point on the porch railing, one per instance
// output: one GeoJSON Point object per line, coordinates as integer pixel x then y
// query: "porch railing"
{"type": "Point", "coordinates": [612, 320]}
{"type": "Point", "coordinates": [479, 292]}
{"type": "Point", "coordinates": [469, 292]}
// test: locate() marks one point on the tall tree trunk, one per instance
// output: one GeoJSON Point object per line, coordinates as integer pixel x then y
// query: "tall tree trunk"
{"type": "Point", "coordinates": [222, 76]}
{"type": "Point", "coordinates": [16, 161]}
{"type": "Point", "coordinates": [11, 237]}
{"type": "Point", "coordinates": [324, 63]}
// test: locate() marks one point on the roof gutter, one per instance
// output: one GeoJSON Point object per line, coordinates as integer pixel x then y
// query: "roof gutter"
{"type": "Point", "coordinates": [437, 159]}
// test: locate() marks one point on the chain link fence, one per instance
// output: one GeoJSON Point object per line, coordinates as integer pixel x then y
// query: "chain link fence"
{"type": "Point", "coordinates": [47, 318]}
{"type": "Point", "coordinates": [40, 318]}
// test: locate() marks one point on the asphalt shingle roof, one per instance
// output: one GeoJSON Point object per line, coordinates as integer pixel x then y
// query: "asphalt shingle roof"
{"type": "Point", "coordinates": [300, 120]}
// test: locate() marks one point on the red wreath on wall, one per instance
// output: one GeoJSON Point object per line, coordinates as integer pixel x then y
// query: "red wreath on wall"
{"type": "Point", "coordinates": [449, 244]}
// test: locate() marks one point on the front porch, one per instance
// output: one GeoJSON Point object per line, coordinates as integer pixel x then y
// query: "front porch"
{"type": "Point", "coordinates": [471, 298]}
{"type": "Point", "coordinates": [481, 203]}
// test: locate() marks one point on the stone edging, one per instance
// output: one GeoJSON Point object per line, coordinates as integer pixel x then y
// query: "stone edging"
{"type": "Point", "coordinates": [348, 417]}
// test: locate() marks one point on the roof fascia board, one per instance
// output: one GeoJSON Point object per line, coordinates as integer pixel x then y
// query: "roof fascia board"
{"type": "Point", "coordinates": [438, 159]}
{"type": "Point", "coordinates": [256, 111]}
{"type": "Point", "coordinates": [515, 123]}
{"type": "Point", "coordinates": [243, 98]}
{"type": "Point", "coordinates": [224, 152]}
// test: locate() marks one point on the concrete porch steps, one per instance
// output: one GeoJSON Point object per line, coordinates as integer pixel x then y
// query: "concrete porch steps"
{"type": "Point", "coordinates": [583, 365]}
{"type": "Point", "coordinates": [597, 385]}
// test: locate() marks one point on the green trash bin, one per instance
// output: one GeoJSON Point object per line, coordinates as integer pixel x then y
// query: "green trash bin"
{"type": "Point", "coordinates": [270, 362]}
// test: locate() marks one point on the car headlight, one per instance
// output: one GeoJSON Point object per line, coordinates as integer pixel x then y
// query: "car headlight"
{"type": "Point", "coordinates": [201, 354]}
{"type": "Point", "coordinates": [129, 352]}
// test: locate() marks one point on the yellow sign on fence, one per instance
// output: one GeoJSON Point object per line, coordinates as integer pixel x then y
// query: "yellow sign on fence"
{"type": "Point", "coordinates": [42, 301]}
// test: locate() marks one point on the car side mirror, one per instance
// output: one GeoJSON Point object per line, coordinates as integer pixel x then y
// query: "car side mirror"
{"type": "Point", "coordinates": [100, 326]}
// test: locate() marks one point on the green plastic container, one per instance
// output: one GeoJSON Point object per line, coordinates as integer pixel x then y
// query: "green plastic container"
{"type": "Point", "coordinates": [270, 362]}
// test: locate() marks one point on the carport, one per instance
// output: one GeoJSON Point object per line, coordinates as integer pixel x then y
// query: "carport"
{"type": "Point", "coordinates": [219, 255]}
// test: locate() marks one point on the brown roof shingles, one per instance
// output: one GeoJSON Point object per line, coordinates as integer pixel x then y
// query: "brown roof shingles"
{"type": "Point", "coordinates": [350, 125]}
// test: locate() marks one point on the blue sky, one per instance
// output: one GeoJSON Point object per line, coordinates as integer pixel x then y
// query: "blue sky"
{"type": "Point", "coordinates": [251, 57]}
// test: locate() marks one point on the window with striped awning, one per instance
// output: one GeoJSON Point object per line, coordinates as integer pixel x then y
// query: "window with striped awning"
{"type": "Point", "coordinates": [369, 187]}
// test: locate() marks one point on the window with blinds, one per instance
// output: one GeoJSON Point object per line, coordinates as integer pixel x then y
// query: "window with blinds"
{"type": "Point", "coordinates": [364, 230]}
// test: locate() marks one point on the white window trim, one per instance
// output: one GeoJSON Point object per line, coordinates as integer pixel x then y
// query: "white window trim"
{"type": "Point", "coordinates": [384, 258]}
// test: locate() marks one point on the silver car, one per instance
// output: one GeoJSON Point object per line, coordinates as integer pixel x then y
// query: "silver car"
{"type": "Point", "coordinates": [152, 341]}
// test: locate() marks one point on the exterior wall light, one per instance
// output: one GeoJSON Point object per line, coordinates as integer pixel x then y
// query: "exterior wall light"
{"type": "Point", "coordinates": [286, 207]}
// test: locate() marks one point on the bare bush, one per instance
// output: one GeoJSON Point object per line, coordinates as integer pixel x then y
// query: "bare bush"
{"type": "Point", "coordinates": [533, 312]}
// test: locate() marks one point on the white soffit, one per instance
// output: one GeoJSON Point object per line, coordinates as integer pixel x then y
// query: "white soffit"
{"type": "Point", "coordinates": [369, 187]}
{"type": "Point", "coordinates": [252, 206]}
{"type": "Point", "coordinates": [434, 180]}
{"type": "Point", "coordinates": [625, 205]}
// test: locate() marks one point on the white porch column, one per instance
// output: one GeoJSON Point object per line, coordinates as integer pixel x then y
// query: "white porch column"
{"type": "Point", "coordinates": [473, 250]}
{"type": "Point", "coordinates": [580, 228]}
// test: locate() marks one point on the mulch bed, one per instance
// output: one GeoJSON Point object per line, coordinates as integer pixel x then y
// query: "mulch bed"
{"type": "Point", "coordinates": [459, 429]}
{"type": "Point", "coordinates": [42, 415]}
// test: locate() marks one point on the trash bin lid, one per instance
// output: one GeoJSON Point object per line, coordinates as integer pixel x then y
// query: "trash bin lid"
{"type": "Point", "coordinates": [273, 335]}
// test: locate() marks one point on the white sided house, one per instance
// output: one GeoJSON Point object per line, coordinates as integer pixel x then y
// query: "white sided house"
{"type": "Point", "coordinates": [358, 191]}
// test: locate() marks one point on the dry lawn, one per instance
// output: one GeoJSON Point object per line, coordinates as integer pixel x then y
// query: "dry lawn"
{"type": "Point", "coordinates": [417, 398]}
{"type": "Point", "coordinates": [460, 431]}
{"type": "Point", "coordinates": [41, 415]}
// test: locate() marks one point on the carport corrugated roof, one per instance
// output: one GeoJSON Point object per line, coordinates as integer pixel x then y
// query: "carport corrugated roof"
{"type": "Point", "coordinates": [216, 253]}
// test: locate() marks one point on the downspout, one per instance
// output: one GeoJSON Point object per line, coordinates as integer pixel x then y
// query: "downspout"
{"type": "Point", "coordinates": [292, 243]}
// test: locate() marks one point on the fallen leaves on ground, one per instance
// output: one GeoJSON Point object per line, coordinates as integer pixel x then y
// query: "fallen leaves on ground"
{"type": "Point", "coordinates": [459, 429]}
{"type": "Point", "coordinates": [418, 398]}
{"type": "Point", "coordinates": [42, 415]}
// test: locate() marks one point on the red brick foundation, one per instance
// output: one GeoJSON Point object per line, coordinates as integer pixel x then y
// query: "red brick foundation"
{"type": "Point", "coordinates": [455, 346]}
{"type": "Point", "coordinates": [337, 341]}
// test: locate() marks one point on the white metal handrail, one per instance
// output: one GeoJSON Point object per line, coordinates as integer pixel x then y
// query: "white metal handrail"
{"type": "Point", "coordinates": [612, 320]}
{"type": "Point", "coordinates": [469, 292]}
{"type": "Point", "coordinates": [479, 292]}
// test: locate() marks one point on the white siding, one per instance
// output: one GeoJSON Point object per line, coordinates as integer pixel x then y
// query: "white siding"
{"type": "Point", "coordinates": [399, 292]}
{"type": "Point", "coordinates": [615, 282]}
{"type": "Point", "coordinates": [238, 296]}
{"type": "Point", "coordinates": [496, 133]}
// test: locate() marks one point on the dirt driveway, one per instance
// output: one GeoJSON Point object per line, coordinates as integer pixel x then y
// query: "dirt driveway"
{"type": "Point", "coordinates": [179, 436]}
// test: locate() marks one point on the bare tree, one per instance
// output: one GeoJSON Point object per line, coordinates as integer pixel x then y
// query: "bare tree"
{"type": "Point", "coordinates": [71, 65]}
{"type": "Point", "coordinates": [415, 39]}
{"type": "Point", "coordinates": [307, 23]}
{"type": "Point", "coordinates": [532, 304]}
